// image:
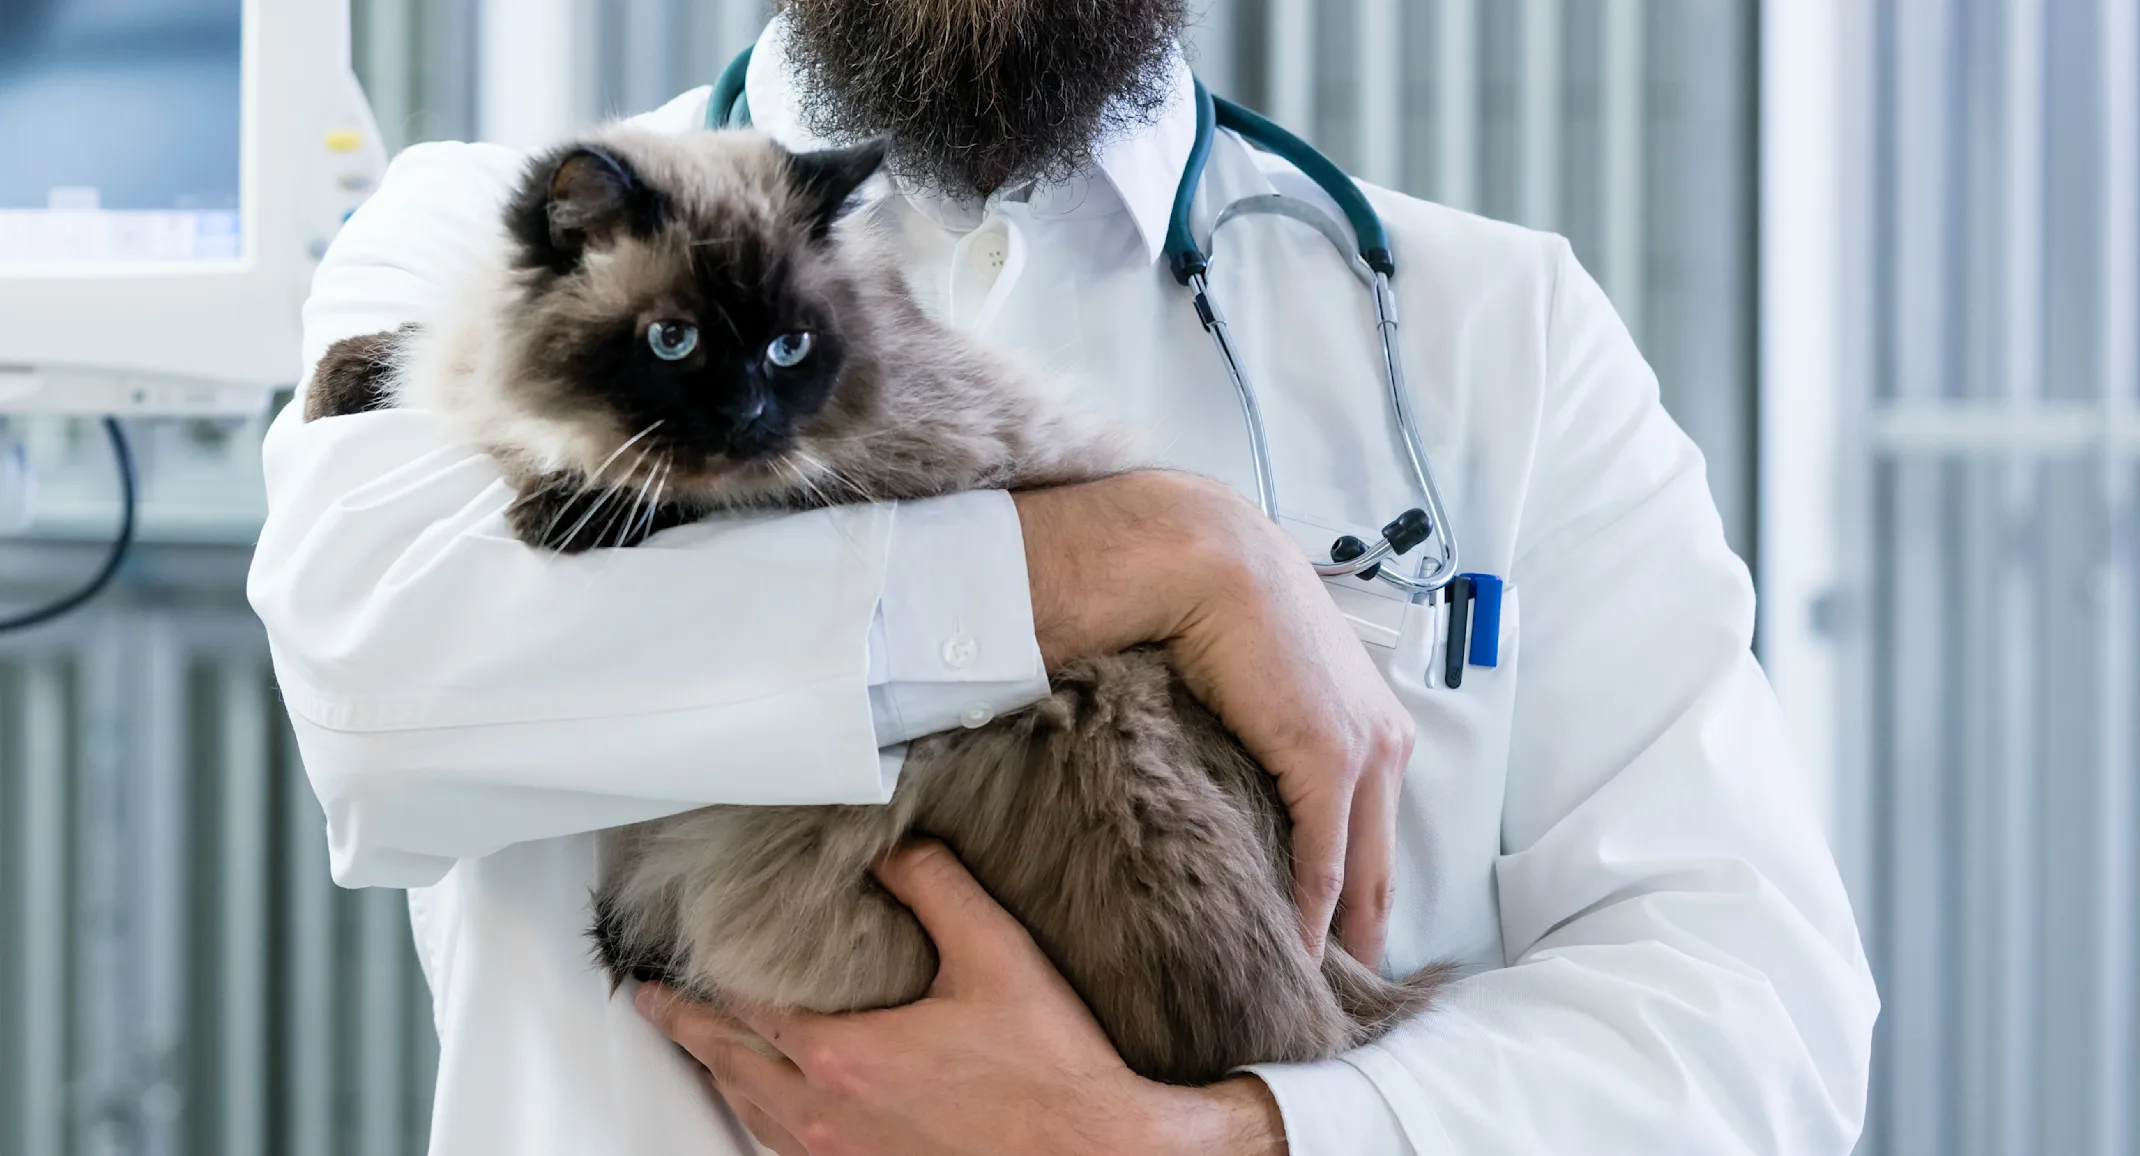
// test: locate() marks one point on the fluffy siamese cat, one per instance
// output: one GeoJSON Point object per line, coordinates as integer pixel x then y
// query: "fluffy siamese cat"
{"type": "Point", "coordinates": [680, 326]}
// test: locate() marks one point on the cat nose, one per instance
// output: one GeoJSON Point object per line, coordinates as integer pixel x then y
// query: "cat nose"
{"type": "Point", "coordinates": [743, 404]}
{"type": "Point", "coordinates": [749, 423]}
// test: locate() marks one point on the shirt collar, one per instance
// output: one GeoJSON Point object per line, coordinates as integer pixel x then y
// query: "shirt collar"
{"type": "Point", "coordinates": [1140, 169]}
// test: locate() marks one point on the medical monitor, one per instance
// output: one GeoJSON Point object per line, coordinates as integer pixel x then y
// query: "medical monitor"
{"type": "Point", "coordinates": [123, 121]}
{"type": "Point", "coordinates": [170, 171]}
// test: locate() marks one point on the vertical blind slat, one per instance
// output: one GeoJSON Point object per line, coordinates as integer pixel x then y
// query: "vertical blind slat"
{"type": "Point", "coordinates": [309, 1022]}
{"type": "Point", "coordinates": [388, 39]}
{"type": "Point", "coordinates": [158, 798]}
{"type": "Point", "coordinates": [1380, 93]}
{"type": "Point", "coordinates": [1914, 942]}
{"type": "Point", "coordinates": [2019, 896]}
{"type": "Point", "coordinates": [1292, 61]}
{"type": "Point", "coordinates": [1456, 103]}
{"type": "Point", "coordinates": [1540, 116]}
{"type": "Point", "coordinates": [381, 991]}
{"type": "Point", "coordinates": [42, 856]}
{"type": "Point", "coordinates": [105, 983]}
{"type": "Point", "coordinates": [2113, 1046]}
{"type": "Point", "coordinates": [1624, 160]}
{"type": "Point", "coordinates": [242, 914]}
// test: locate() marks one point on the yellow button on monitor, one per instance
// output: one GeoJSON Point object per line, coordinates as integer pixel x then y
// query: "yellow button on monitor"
{"type": "Point", "coordinates": [345, 140]}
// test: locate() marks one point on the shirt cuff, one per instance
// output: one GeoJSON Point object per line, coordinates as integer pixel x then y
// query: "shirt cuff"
{"type": "Point", "coordinates": [952, 641]}
{"type": "Point", "coordinates": [1332, 1109]}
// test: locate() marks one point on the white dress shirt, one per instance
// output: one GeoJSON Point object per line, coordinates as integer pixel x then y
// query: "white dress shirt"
{"type": "Point", "coordinates": [1607, 829]}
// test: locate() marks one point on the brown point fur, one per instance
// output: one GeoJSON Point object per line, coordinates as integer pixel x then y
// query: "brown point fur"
{"type": "Point", "coordinates": [354, 375]}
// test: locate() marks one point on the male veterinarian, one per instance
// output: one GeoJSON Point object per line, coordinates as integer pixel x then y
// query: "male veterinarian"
{"type": "Point", "coordinates": [1605, 829]}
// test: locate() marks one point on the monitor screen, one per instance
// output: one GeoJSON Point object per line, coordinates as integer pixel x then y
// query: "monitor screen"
{"type": "Point", "coordinates": [120, 131]}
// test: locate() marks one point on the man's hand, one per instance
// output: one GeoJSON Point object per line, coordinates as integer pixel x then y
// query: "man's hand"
{"type": "Point", "coordinates": [1162, 557]}
{"type": "Point", "coordinates": [1000, 1056]}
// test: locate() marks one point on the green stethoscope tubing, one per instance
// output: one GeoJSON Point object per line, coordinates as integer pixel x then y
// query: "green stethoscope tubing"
{"type": "Point", "coordinates": [1370, 258]}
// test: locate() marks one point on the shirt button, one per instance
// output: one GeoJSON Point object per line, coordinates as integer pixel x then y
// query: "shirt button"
{"type": "Point", "coordinates": [960, 650]}
{"type": "Point", "coordinates": [976, 717]}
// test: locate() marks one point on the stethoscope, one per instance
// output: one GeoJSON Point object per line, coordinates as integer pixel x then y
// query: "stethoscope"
{"type": "Point", "coordinates": [1458, 598]}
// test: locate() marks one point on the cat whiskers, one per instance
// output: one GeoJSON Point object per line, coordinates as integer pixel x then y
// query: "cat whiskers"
{"type": "Point", "coordinates": [586, 489]}
{"type": "Point", "coordinates": [855, 486]}
{"type": "Point", "coordinates": [592, 487]}
{"type": "Point", "coordinates": [614, 454]}
{"type": "Point", "coordinates": [573, 496]}
{"type": "Point", "coordinates": [637, 525]}
{"type": "Point", "coordinates": [803, 480]}
{"type": "Point", "coordinates": [601, 499]}
{"type": "Point", "coordinates": [610, 525]}
{"type": "Point", "coordinates": [661, 488]}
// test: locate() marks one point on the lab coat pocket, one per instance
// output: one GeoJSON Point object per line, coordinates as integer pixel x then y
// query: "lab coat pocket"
{"type": "Point", "coordinates": [1419, 661]}
{"type": "Point", "coordinates": [1376, 620]}
{"type": "Point", "coordinates": [1375, 610]}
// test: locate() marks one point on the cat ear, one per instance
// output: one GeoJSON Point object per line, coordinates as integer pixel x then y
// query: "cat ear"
{"type": "Point", "coordinates": [591, 195]}
{"type": "Point", "coordinates": [827, 179]}
{"type": "Point", "coordinates": [578, 199]}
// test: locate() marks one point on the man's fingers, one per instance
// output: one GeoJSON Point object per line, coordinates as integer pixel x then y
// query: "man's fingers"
{"type": "Point", "coordinates": [1319, 830]}
{"type": "Point", "coordinates": [970, 930]}
{"type": "Point", "coordinates": [693, 1026]}
{"type": "Point", "coordinates": [1370, 870]}
{"type": "Point", "coordinates": [769, 1133]}
{"type": "Point", "coordinates": [718, 1044]}
{"type": "Point", "coordinates": [794, 1033]}
{"type": "Point", "coordinates": [772, 1083]}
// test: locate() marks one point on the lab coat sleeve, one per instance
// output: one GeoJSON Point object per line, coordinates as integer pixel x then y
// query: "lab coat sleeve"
{"type": "Point", "coordinates": [953, 650]}
{"type": "Point", "coordinates": [454, 692]}
{"type": "Point", "coordinates": [1684, 974]}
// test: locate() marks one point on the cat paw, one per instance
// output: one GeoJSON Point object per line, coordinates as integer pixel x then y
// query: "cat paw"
{"type": "Point", "coordinates": [568, 519]}
{"type": "Point", "coordinates": [355, 375]}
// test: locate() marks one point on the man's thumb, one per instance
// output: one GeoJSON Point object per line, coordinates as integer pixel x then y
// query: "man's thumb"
{"type": "Point", "coordinates": [974, 936]}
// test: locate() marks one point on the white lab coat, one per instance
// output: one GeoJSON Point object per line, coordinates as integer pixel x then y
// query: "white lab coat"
{"type": "Point", "coordinates": [1608, 829]}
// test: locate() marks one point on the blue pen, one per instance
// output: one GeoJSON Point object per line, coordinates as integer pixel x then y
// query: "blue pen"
{"type": "Point", "coordinates": [1486, 591]}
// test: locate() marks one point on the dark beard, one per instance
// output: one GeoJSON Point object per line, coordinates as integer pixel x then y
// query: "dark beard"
{"type": "Point", "coordinates": [976, 95]}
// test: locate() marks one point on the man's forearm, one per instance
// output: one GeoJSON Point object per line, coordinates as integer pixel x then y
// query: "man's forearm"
{"type": "Point", "coordinates": [1109, 560]}
{"type": "Point", "coordinates": [1235, 1118]}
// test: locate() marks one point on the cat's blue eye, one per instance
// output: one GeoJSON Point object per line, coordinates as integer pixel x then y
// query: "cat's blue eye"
{"type": "Point", "coordinates": [672, 340]}
{"type": "Point", "coordinates": [788, 350]}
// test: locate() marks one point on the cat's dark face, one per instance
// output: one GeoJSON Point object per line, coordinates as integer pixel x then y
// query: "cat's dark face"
{"type": "Point", "coordinates": [684, 315]}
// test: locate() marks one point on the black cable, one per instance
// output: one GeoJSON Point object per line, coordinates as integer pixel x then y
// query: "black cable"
{"type": "Point", "coordinates": [123, 455]}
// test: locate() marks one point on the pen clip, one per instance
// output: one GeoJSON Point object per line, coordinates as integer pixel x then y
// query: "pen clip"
{"type": "Point", "coordinates": [1457, 647]}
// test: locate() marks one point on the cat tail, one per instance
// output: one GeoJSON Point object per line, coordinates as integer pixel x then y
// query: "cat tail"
{"type": "Point", "coordinates": [1374, 1004]}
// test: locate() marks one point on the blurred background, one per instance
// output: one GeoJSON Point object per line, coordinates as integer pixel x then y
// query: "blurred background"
{"type": "Point", "coordinates": [1884, 255]}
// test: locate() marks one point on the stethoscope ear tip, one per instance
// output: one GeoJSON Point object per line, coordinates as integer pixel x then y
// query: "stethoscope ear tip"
{"type": "Point", "coordinates": [1346, 549]}
{"type": "Point", "coordinates": [1401, 536]}
{"type": "Point", "coordinates": [1408, 530]}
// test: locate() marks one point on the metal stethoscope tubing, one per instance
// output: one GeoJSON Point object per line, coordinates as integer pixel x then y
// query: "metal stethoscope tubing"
{"type": "Point", "coordinates": [1433, 572]}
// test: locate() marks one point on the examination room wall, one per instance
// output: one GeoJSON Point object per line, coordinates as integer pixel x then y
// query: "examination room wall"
{"type": "Point", "coordinates": [178, 976]}
{"type": "Point", "coordinates": [1979, 168]}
